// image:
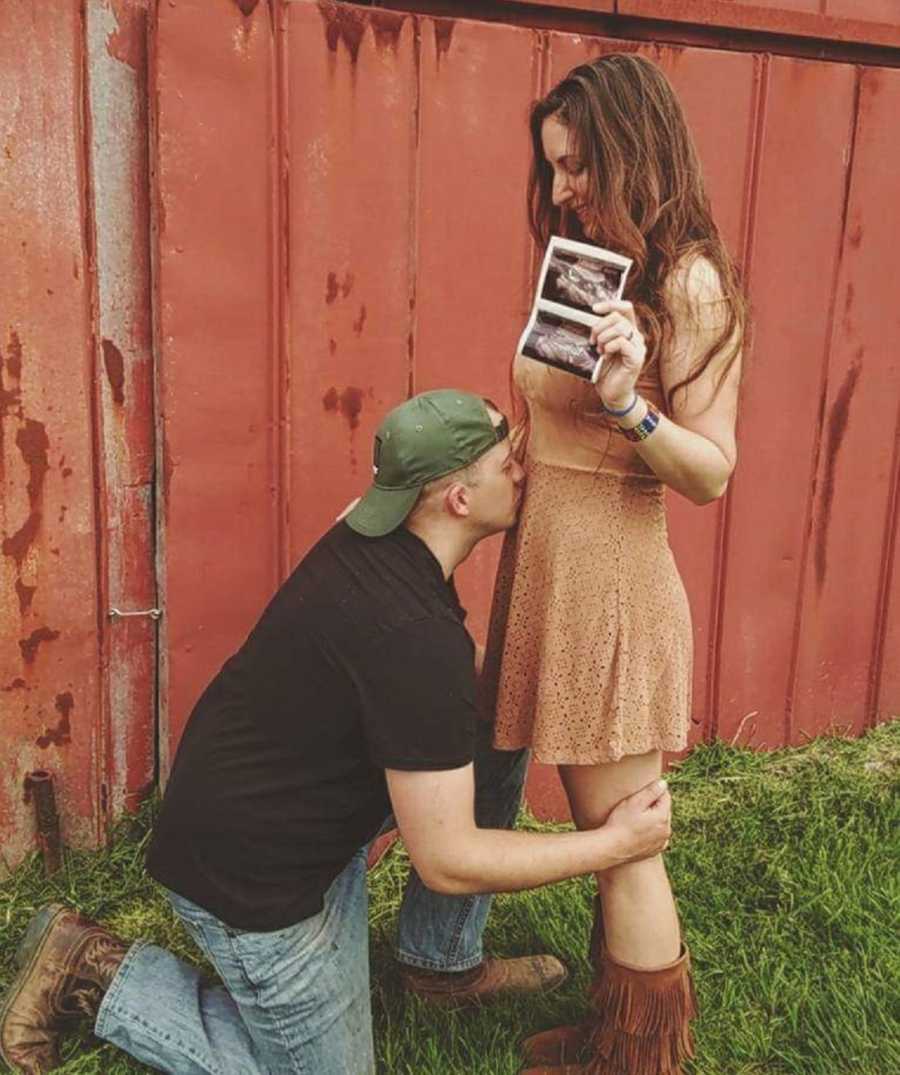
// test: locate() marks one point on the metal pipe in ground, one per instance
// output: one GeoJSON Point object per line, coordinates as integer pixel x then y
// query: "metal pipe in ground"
{"type": "Point", "coordinates": [39, 787]}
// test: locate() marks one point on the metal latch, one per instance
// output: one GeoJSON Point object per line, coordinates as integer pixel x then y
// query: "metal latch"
{"type": "Point", "coordinates": [153, 613]}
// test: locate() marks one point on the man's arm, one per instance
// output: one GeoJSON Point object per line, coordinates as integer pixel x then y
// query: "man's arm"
{"type": "Point", "coordinates": [435, 815]}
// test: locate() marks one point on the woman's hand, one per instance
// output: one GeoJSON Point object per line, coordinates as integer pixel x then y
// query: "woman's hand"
{"type": "Point", "coordinates": [618, 339]}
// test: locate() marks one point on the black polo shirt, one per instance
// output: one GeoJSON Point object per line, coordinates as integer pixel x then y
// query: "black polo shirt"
{"type": "Point", "coordinates": [361, 662]}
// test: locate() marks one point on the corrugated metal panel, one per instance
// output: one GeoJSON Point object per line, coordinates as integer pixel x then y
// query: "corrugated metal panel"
{"type": "Point", "coordinates": [116, 52]}
{"type": "Point", "coordinates": [367, 282]}
{"type": "Point", "coordinates": [339, 210]}
{"type": "Point", "coordinates": [845, 579]}
{"type": "Point", "coordinates": [473, 278]}
{"type": "Point", "coordinates": [352, 133]}
{"type": "Point", "coordinates": [50, 649]}
{"type": "Point", "coordinates": [217, 233]}
{"type": "Point", "coordinates": [76, 407]}
{"type": "Point", "coordinates": [805, 135]}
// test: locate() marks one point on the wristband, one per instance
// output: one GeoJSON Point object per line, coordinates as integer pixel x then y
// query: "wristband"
{"type": "Point", "coordinates": [621, 414]}
{"type": "Point", "coordinates": [645, 427]}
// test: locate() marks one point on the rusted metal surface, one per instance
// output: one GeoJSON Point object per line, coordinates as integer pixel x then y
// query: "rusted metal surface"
{"type": "Point", "coordinates": [414, 270]}
{"type": "Point", "coordinates": [39, 789]}
{"type": "Point", "coordinates": [870, 21]}
{"type": "Point", "coordinates": [843, 612]}
{"type": "Point", "coordinates": [473, 264]}
{"type": "Point", "coordinates": [116, 62]}
{"type": "Point", "coordinates": [806, 131]}
{"type": "Point", "coordinates": [350, 307]}
{"type": "Point", "coordinates": [217, 229]}
{"type": "Point", "coordinates": [49, 654]}
{"type": "Point", "coordinates": [846, 30]}
{"type": "Point", "coordinates": [76, 411]}
{"type": "Point", "coordinates": [338, 205]}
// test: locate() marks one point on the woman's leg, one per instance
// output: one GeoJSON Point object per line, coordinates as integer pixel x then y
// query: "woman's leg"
{"type": "Point", "coordinates": [639, 917]}
{"type": "Point", "coordinates": [641, 996]}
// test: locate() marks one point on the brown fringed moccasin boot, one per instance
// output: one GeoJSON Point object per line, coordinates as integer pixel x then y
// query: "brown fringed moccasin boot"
{"type": "Point", "coordinates": [66, 965]}
{"type": "Point", "coordinates": [641, 1021]}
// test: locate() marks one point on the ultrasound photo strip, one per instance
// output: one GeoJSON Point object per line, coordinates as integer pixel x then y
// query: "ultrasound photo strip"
{"type": "Point", "coordinates": [574, 278]}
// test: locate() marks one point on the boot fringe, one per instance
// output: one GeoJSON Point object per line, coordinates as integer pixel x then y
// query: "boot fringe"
{"type": "Point", "coordinates": [643, 1018]}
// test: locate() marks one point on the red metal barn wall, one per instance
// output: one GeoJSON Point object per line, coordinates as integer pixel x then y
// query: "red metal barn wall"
{"type": "Point", "coordinates": [337, 198]}
{"type": "Point", "coordinates": [77, 686]}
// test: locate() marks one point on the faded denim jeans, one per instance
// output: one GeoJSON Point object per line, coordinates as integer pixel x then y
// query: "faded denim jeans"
{"type": "Point", "coordinates": [295, 1001]}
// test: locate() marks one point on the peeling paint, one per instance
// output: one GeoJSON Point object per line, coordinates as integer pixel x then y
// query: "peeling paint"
{"type": "Point", "coordinates": [115, 370]}
{"type": "Point", "coordinates": [29, 646]}
{"type": "Point", "coordinates": [25, 595]}
{"type": "Point", "coordinates": [128, 42]}
{"type": "Point", "coordinates": [33, 443]}
{"type": "Point", "coordinates": [360, 321]}
{"type": "Point", "coordinates": [331, 288]}
{"type": "Point", "coordinates": [349, 403]}
{"type": "Point", "coordinates": [247, 7]}
{"type": "Point", "coordinates": [443, 36]}
{"type": "Point", "coordinates": [14, 356]}
{"type": "Point", "coordinates": [387, 27]}
{"type": "Point", "coordinates": [62, 733]}
{"type": "Point", "coordinates": [11, 398]}
{"type": "Point", "coordinates": [837, 427]}
{"type": "Point", "coordinates": [17, 545]}
{"type": "Point", "coordinates": [18, 684]}
{"type": "Point", "coordinates": [343, 24]}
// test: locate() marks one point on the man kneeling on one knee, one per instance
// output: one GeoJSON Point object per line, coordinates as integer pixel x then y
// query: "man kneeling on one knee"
{"type": "Point", "coordinates": [353, 698]}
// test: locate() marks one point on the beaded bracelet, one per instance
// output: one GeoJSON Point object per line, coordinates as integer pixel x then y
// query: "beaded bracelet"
{"type": "Point", "coordinates": [644, 427]}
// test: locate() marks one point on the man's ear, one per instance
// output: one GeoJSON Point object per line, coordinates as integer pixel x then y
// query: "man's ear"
{"type": "Point", "coordinates": [456, 499]}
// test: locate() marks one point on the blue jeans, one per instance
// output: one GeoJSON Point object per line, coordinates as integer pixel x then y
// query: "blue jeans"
{"type": "Point", "coordinates": [296, 1000]}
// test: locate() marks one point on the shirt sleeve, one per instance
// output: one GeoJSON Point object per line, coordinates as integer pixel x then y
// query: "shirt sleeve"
{"type": "Point", "coordinates": [417, 696]}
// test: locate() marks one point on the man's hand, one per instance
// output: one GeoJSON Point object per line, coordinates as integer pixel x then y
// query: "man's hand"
{"type": "Point", "coordinates": [642, 823]}
{"type": "Point", "coordinates": [436, 817]}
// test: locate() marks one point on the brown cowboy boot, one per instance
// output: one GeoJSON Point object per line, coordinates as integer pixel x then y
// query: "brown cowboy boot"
{"type": "Point", "coordinates": [642, 1021]}
{"type": "Point", "coordinates": [66, 965]}
{"type": "Point", "coordinates": [564, 1045]}
{"type": "Point", "coordinates": [490, 980]}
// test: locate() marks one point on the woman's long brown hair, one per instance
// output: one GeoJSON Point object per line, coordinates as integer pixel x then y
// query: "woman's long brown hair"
{"type": "Point", "coordinates": [646, 197]}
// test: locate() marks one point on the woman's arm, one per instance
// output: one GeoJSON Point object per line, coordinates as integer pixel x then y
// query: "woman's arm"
{"type": "Point", "coordinates": [695, 451]}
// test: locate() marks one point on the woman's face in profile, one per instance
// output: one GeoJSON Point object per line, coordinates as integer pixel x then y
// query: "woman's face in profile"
{"type": "Point", "coordinates": [570, 175]}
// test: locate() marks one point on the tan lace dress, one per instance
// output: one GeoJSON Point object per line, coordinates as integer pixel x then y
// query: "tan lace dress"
{"type": "Point", "coordinates": [589, 650]}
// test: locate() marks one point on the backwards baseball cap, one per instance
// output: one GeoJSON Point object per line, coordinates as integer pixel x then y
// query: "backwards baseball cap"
{"type": "Point", "coordinates": [424, 438]}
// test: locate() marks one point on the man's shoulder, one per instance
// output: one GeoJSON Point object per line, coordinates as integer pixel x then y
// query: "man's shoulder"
{"type": "Point", "coordinates": [369, 587]}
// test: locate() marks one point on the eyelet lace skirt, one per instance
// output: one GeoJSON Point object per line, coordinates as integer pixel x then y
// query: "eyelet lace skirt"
{"type": "Point", "coordinates": [589, 651]}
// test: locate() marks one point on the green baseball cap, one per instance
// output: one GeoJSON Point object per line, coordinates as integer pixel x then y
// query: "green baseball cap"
{"type": "Point", "coordinates": [424, 438]}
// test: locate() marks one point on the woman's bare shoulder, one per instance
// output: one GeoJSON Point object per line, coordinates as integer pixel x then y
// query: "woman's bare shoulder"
{"type": "Point", "coordinates": [693, 282]}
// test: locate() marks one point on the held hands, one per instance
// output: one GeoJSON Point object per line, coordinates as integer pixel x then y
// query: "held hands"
{"type": "Point", "coordinates": [619, 340]}
{"type": "Point", "coordinates": [642, 823]}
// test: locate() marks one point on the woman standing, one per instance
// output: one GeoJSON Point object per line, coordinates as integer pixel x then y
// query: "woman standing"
{"type": "Point", "coordinates": [589, 650]}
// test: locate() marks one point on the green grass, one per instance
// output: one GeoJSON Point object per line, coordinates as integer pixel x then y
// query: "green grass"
{"type": "Point", "coordinates": [786, 870]}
